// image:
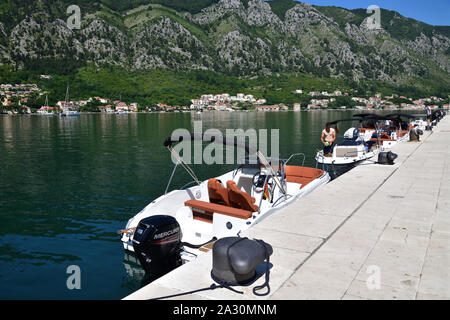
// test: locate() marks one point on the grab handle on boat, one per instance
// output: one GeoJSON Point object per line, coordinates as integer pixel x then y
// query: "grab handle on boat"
{"type": "Point", "coordinates": [127, 231]}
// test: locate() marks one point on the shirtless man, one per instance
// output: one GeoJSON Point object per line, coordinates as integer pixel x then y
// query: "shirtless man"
{"type": "Point", "coordinates": [328, 137]}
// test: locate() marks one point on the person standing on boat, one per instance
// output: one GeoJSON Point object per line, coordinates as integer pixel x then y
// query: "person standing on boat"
{"type": "Point", "coordinates": [328, 138]}
{"type": "Point", "coordinates": [429, 116]}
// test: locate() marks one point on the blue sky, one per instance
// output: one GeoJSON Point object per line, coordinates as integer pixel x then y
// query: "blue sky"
{"type": "Point", "coordinates": [434, 12]}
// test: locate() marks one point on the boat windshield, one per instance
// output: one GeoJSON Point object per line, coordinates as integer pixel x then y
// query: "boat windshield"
{"type": "Point", "coordinates": [342, 141]}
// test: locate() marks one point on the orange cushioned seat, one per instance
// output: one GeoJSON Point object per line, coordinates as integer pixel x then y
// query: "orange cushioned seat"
{"type": "Point", "coordinates": [302, 175]}
{"type": "Point", "coordinates": [204, 210]}
{"type": "Point", "coordinates": [218, 194]}
{"type": "Point", "coordinates": [240, 199]}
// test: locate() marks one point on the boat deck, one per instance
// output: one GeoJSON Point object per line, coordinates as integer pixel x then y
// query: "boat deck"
{"type": "Point", "coordinates": [377, 232]}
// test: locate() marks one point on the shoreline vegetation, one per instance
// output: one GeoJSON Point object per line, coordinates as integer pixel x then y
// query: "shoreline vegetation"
{"type": "Point", "coordinates": [147, 90]}
{"type": "Point", "coordinates": [211, 111]}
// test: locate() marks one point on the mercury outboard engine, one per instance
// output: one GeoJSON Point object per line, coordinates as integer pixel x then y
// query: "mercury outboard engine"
{"type": "Point", "coordinates": [157, 243]}
{"type": "Point", "coordinates": [387, 158]}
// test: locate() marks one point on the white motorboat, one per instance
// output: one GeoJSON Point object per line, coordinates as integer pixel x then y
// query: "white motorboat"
{"type": "Point", "coordinates": [354, 148]}
{"type": "Point", "coordinates": [383, 131]}
{"type": "Point", "coordinates": [359, 145]}
{"type": "Point", "coordinates": [219, 207]}
{"type": "Point", "coordinates": [398, 129]}
{"type": "Point", "coordinates": [350, 150]}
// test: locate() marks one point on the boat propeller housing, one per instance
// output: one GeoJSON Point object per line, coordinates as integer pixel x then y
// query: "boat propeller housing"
{"type": "Point", "coordinates": [157, 243]}
{"type": "Point", "coordinates": [387, 158]}
{"type": "Point", "coordinates": [235, 259]}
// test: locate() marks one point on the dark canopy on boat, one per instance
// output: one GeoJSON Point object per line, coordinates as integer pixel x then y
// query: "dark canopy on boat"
{"type": "Point", "coordinates": [395, 117]}
{"type": "Point", "coordinates": [234, 142]}
{"type": "Point", "coordinates": [385, 117]}
{"type": "Point", "coordinates": [365, 115]}
{"type": "Point", "coordinates": [357, 119]}
{"type": "Point", "coordinates": [402, 115]}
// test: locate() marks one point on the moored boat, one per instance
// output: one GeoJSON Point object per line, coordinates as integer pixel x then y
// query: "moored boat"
{"type": "Point", "coordinates": [350, 150]}
{"type": "Point", "coordinates": [68, 109]}
{"type": "Point", "coordinates": [162, 234]}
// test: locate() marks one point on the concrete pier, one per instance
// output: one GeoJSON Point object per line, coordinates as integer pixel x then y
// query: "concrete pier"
{"type": "Point", "coordinates": [377, 232]}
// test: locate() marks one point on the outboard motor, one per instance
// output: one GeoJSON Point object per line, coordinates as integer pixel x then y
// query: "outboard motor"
{"type": "Point", "coordinates": [235, 259]}
{"type": "Point", "coordinates": [387, 158]}
{"type": "Point", "coordinates": [157, 243]}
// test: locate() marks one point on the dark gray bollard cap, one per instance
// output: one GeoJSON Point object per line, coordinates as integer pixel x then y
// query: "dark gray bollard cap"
{"type": "Point", "coordinates": [235, 259]}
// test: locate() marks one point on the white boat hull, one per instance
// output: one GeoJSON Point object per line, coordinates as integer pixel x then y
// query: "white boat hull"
{"type": "Point", "coordinates": [197, 232]}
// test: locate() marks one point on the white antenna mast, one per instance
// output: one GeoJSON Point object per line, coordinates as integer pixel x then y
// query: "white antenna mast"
{"type": "Point", "coordinates": [67, 93]}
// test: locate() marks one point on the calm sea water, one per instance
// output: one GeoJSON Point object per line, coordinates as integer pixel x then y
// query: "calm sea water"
{"type": "Point", "coordinates": [68, 184]}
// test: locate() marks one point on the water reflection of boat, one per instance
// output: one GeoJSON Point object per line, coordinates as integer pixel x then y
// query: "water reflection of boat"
{"type": "Point", "coordinates": [219, 207]}
{"type": "Point", "coordinates": [132, 266]}
{"type": "Point", "coordinates": [136, 275]}
{"type": "Point", "coordinates": [70, 113]}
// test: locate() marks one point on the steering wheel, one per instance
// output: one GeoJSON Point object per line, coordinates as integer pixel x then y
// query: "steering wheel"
{"type": "Point", "coordinates": [259, 180]}
{"type": "Point", "coordinates": [256, 179]}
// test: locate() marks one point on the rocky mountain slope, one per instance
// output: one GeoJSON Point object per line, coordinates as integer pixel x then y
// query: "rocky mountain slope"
{"type": "Point", "coordinates": [238, 37]}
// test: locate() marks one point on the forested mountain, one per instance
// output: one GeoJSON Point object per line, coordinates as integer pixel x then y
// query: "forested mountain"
{"type": "Point", "coordinates": [243, 38]}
